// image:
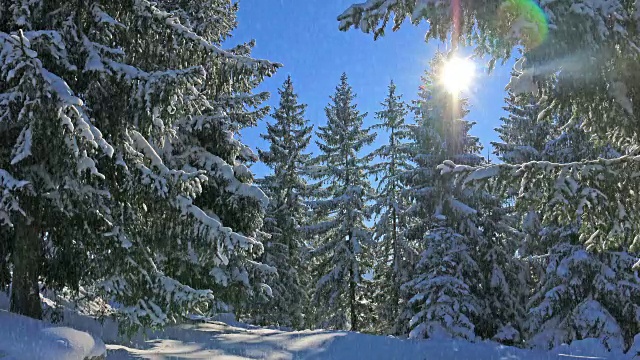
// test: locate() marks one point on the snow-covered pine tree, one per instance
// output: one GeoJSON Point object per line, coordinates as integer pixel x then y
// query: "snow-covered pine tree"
{"type": "Point", "coordinates": [573, 290]}
{"type": "Point", "coordinates": [208, 144]}
{"type": "Point", "coordinates": [342, 238]}
{"type": "Point", "coordinates": [584, 295]}
{"type": "Point", "coordinates": [117, 122]}
{"type": "Point", "coordinates": [475, 291]}
{"type": "Point", "coordinates": [442, 295]}
{"type": "Point", "coordinates": [524, 136]}
{"type": "Point", "coordinates": [393, 255]}
{"type": "Point", "coordinates": [596, 88]}
{"type": "Point", "coordinates": [531, 134]}
{"type": "Point", "coordinates": [287, 189]}
{"type": "Point", "coordinates": [49, 153]}
{"type": "Point", "coordinates": [504, 290]}
{"type": "Point", "coordinates": [575, 294]}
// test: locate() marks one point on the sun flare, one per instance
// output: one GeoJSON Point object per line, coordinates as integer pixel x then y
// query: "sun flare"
{"type": "Point", "coordinates": [457, 74]}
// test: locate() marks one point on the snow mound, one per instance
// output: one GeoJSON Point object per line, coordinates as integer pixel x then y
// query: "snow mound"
{"type": "Point", "coordinates": [589, 349]}
{"type": "Point", "coordinates": [224, 337]}
{"type": "Point", "coordinates": [25, 338]}
{"type": "Point", "coordinates": [217, 340]}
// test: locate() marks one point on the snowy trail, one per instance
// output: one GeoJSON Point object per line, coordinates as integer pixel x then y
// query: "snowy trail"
{"type": "Point", "coordinates": [232, 340]}
{"type": "Point", "coordinates": [220, 341]}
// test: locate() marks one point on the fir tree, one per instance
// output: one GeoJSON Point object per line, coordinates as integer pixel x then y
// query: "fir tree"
{"type": "Point", "coordinates": [121, 173]}
{"type": "Point", "coordinates": [343, 239]}
{"type": "Point", "coordinates": [598, 196]}
{"type": "Point", "coordinates": [289, 136]}
{"type": "Point", "coordinates": [568, 299]}
{"type": "Point", "coordinates": [504, 288]}
{"type": "Point", "coordinates": [475, 290]}
{"type": "Point", "coordinates": [49, 153]}
{"type": "Point", "coordinates": [524, 136]}
{"type": "Point", "coordinates": [584, 295]}
{"type": "Point", "coordinates": [443, 299]}
{"type": "Point", "coordinates": [598, 91]}
{"type": "Point", "coordinates": [393, 255]}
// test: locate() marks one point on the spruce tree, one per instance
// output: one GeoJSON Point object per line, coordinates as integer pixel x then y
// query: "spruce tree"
{"type": "Point", "coordinates": [287, 189]}
{"type": "Point", "coordinates": [524, 136]}
{"type": "Point", "coordinates": [443, 299]}
{"type": "Point", "coordinates": [598, 90]}
{"type": "Point", "coordinates": [120, 170]}
{"type": "Point", "coordinates": [597, 195]}
{"type": "Point", "coordinates": [342, 238]}
{"type": "Point", "coordinates": [504, 289]}
{"type": "Point", "coordinates": [393, 255]}
{"type": "Point", "coordinates": [565, 278]}
{"type": "Point", "coordinates": [574, 294]}
{"type": "Point", "coordinates": [467, 282]}
{"type": "Point", "coordinates": [49, 153]}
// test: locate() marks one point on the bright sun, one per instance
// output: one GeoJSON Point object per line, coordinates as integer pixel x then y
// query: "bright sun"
{"type": "Point", "coordinates": [457, 74]}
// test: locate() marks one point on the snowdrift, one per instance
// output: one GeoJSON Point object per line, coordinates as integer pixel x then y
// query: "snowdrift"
{"type": "Point", "coordinates": [25, 338]}
{"type": "Point", "coordinates": [224, 338]}
{"type": "Point", "coordinates": [220, 341]}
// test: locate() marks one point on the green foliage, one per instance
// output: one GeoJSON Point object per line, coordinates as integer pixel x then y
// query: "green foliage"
{"type": "Point", "coordinates": [341, 246]}
{"type": "Point", "coordinates": [287, 189]}
{"type": "Point", "coordinates": [393, 254]}
{"type": "Point", "coordinates": [118, 124]}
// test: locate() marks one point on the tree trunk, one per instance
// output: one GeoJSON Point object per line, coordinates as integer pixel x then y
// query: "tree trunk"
{"type": "Point", "coordinates": [5, 15]}
{"type": "Point", "coordinates": [352, 281]}
{"type": "Point", "coordinates": [396, 267]}
{"type": "Point", "coordinates": [394, 231]}
{"type": "Point", "coordinates": [352, 300]}
{"type": "Point", "coordinates": [6, 241]}
{"type": "Point", "coordinates": [27, 259]}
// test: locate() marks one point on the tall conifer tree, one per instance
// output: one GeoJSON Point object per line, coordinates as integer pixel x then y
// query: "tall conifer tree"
{"type": "Point", "coordinates": [287, 189]}
{"type": "Point", "coordinates": [343, 239]}
{"type": "Point", "coordinates": [575, 294]}
{"type": "Point", "coordinates": [121, 173]}
{"type": "Point", "coordinates": [464, 281]}
{"type": "Point", "coordinates": [443, 298]}
{"type": "Point", "coordinates": [393, 255]}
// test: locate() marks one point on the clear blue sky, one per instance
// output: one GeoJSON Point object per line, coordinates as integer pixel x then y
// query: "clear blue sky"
{"type": "Point", "coordinates": [303, 35]}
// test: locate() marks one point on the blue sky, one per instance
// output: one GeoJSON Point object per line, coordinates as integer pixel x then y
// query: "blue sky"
{"type": "Point", "coordinates": [303, 36]}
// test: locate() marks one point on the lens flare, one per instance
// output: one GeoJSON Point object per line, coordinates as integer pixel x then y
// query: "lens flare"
{"type": "Point", "coordinates": [524, 20]}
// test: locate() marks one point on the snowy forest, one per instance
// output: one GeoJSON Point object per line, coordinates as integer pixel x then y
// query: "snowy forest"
{"type": "Point", "coordinates": [128, 191]}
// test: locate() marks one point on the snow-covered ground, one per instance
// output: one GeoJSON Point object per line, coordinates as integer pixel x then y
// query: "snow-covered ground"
{"type": "Point", "coordinates": [220, 341]}
{"type": "Point", "coordinates": [25, 338]}
{"type": "Point", "coordinates": [22, 338]}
